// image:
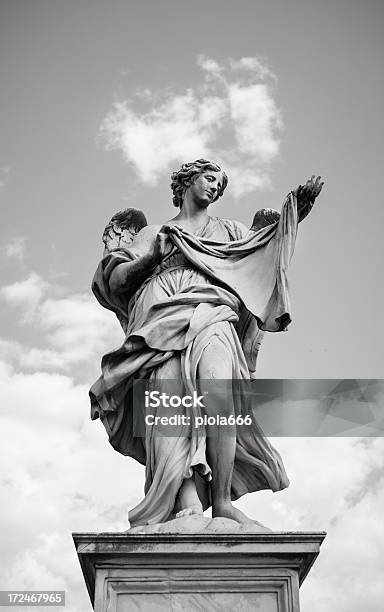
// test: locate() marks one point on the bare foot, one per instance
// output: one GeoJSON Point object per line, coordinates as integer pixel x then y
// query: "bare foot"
{"type": "Point", "coordinates": [193, 509]}
{"type": "Point", "coordinates": [226, 510]}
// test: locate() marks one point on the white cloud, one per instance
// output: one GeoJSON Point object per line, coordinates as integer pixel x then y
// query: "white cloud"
{"type": "Point", "coordinates": [209, 65]}
{"type": "Point", "coordinates": [254, 65]}
{"type": "Point", "coordinates": [74, 329]}
{"type": "Point", "coordinates": [25, 294]}
{"type": "Point", "coordinates": [63, 476]}
{"type": "Point", "coordinates": [59, 475]}
{"type": "Point", "coordinates": [255, 119]}
{"type": "Point", "coordinates": [336, 486]}
{"type": "Point", "coordinates": [231, 117]}
{"type": "Point", "coordinates": [150, 142]}
{"type": "Point", "coordinates": [77, 326]}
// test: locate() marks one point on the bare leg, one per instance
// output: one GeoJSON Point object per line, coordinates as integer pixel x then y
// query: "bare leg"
{"type": "Point", "coordinates": [188, 500]}
{"type": "Point", "coordinates": [216, 363]}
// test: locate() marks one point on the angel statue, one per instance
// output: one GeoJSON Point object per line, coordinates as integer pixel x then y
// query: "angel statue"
{"type": "Point", "coordinates": [194, 297]}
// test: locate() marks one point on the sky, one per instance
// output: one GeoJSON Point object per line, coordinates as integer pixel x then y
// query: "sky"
{"type": "Point", "coordinates": [100, 102]}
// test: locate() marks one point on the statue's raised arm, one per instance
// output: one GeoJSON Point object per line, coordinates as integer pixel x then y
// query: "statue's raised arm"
{"type": "Point", "coordinates": [305, 196]}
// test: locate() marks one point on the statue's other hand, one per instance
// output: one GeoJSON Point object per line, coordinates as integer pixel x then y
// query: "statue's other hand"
{"type": "Point", "coordinates": [307, 194]}
{"type": "Point", "coordinates": [171, 227]}
{"type": "Point", "coordinates": [162, 246]}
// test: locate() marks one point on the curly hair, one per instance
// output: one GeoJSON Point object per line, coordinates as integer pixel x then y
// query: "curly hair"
{"type": "Point", "coordinates": [188, 173]}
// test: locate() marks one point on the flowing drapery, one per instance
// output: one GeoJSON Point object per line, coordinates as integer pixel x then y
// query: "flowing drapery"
{"type": "Point", "coordinates": [228, 283]}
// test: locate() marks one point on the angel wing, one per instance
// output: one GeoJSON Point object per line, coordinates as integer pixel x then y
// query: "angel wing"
{"type": "Point", "coordinates": [122, 228]}
{"type": "Point", "coordinates": [120, 232]}
{"type": "Point", "coordinates": [264, 217]}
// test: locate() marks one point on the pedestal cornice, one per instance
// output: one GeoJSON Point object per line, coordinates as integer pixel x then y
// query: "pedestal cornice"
{"type": "Point", "coordinates": [269, 555]}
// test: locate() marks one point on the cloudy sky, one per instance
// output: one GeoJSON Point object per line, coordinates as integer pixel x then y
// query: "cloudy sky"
{"type": "Point", "coordinates": [100, 102]}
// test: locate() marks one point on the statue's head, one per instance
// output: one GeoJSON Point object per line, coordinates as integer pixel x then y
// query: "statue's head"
{"type": "Point", "coordinates": [188, 173]}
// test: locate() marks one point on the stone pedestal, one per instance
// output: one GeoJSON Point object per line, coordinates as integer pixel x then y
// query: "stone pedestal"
{"type": "Point", "coordinates": [189, 572]}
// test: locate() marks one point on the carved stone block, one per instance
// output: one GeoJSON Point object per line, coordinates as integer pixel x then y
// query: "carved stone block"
{"type": "Point", "coordinates": [196, 572]}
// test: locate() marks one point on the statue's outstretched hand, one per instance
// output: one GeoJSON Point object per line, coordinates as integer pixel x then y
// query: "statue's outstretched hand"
{"type": "Point", "coordinates": [311, 189]}
{"type": "Point", "coordinates": [307, 194]}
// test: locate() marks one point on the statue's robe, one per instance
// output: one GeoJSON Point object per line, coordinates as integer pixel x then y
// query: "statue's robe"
{"type": "Point", "coordinates": [226, 282]}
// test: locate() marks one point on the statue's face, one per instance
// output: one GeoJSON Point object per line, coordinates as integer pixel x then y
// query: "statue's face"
{"type": "Point", "coordinates": [204, 189]}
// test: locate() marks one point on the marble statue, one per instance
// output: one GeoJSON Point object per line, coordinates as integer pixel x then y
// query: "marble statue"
{"type": "Point", "coordinates": [194, 297]}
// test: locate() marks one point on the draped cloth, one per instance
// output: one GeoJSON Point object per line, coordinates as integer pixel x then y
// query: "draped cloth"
{"type": "Point", "coordinates": [224, 282]}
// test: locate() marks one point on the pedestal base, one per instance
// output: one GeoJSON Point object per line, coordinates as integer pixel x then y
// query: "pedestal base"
{"type": "Point", "coordinates": [191, 572]}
